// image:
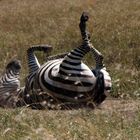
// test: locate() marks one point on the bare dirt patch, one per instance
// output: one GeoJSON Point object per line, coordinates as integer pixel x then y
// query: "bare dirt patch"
{"type": "Point", "coordinates": [124, 107]}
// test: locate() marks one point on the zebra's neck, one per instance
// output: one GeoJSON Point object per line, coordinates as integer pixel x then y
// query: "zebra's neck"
{"type": "Point", "coordinates": [9, 83]}
{"type": "Point", "coordinates": [10, 74]}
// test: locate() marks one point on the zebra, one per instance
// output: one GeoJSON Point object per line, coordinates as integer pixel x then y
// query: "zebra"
{"type": "Point", "coordinates": [67, 78]}
{"type": "Point", "coordinates": [10, 84]}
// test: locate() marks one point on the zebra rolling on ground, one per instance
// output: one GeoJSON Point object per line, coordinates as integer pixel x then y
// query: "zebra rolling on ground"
{"type": "Point", "coordinates": [67, 78]}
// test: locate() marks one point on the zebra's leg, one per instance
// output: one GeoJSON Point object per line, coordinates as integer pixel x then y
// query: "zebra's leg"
{"type": "Point", "coordinates": [99, 95]}
{"type": "Point", "coordinates": [98, 58]}
{"type": "Point", "coordinates": [85, 35]}
{"type": "Point", "coordinates": [99, 91]}
{"type": "Point", "coordinates": [86, 40]}
{"type": "Point", "coordinates": [74, 58]}
{"type": "Point", "coordinates": [103, 81]}
{"type": "Point", "coordinates": [33, 64]}
{"type": "Point", "coordinates": [76, 55]}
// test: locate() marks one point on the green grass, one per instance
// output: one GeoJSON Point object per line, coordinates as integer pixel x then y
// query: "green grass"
{"type": "Point", "coordinates": [115, 31]}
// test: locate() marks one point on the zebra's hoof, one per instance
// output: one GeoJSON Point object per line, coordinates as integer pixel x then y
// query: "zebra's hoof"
{"type": "Point", "coordinates": [84, 17]}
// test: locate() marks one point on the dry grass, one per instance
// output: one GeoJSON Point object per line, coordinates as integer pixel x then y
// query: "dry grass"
{"type": "Point", "coordinates": [115, 31]}
{"type": "Point", "coordinates": [115, 120]}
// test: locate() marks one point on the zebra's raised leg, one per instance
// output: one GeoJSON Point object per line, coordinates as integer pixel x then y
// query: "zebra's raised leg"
{"type": "Point", "coordinates": [103, 82]}
{"type": "Point", "coordinates": [82, 25]}
{"type": "Point", "coordinates": [86, 40]}
{"type": "Point", "coordinates": [99, 95]}
{"type": "Point", "coordinates": [74, 58]}
{"type": "Point", "coordinates": [98, 58]}
{"type": "Point", "coordinates": [33, 64]}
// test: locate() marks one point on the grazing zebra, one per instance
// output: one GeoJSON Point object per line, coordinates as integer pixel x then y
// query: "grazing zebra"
{"type": "Point", "coordinates": [10, 84]}
{"type": "Point", "coordinates": [67, 78]}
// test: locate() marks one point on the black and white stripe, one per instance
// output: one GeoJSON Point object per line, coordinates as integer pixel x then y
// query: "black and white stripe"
{"type": "Point", "coordinates": [10, 84]}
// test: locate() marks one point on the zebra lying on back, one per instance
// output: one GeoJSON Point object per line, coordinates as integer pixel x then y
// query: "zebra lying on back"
{"type": "Point", "coordinates": [67, 78]}
{"type": "Point", "coordinates": [10, 84]}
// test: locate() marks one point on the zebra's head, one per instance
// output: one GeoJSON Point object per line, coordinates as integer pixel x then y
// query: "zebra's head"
{"type": "Point", "coordinates": [14, 65]}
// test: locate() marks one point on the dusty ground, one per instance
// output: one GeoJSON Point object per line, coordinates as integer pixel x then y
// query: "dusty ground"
{"type": "Point", "coordinates": [120, 104]}
{"type": "Point", "coordinates": [126, 107]}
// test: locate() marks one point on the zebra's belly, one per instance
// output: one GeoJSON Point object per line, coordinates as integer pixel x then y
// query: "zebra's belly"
{"type": "Point", "coordinates": [68, 81]}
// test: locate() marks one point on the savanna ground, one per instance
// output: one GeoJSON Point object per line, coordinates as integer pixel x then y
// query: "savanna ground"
{"type": "Point", "coordinates": [115, 31]}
